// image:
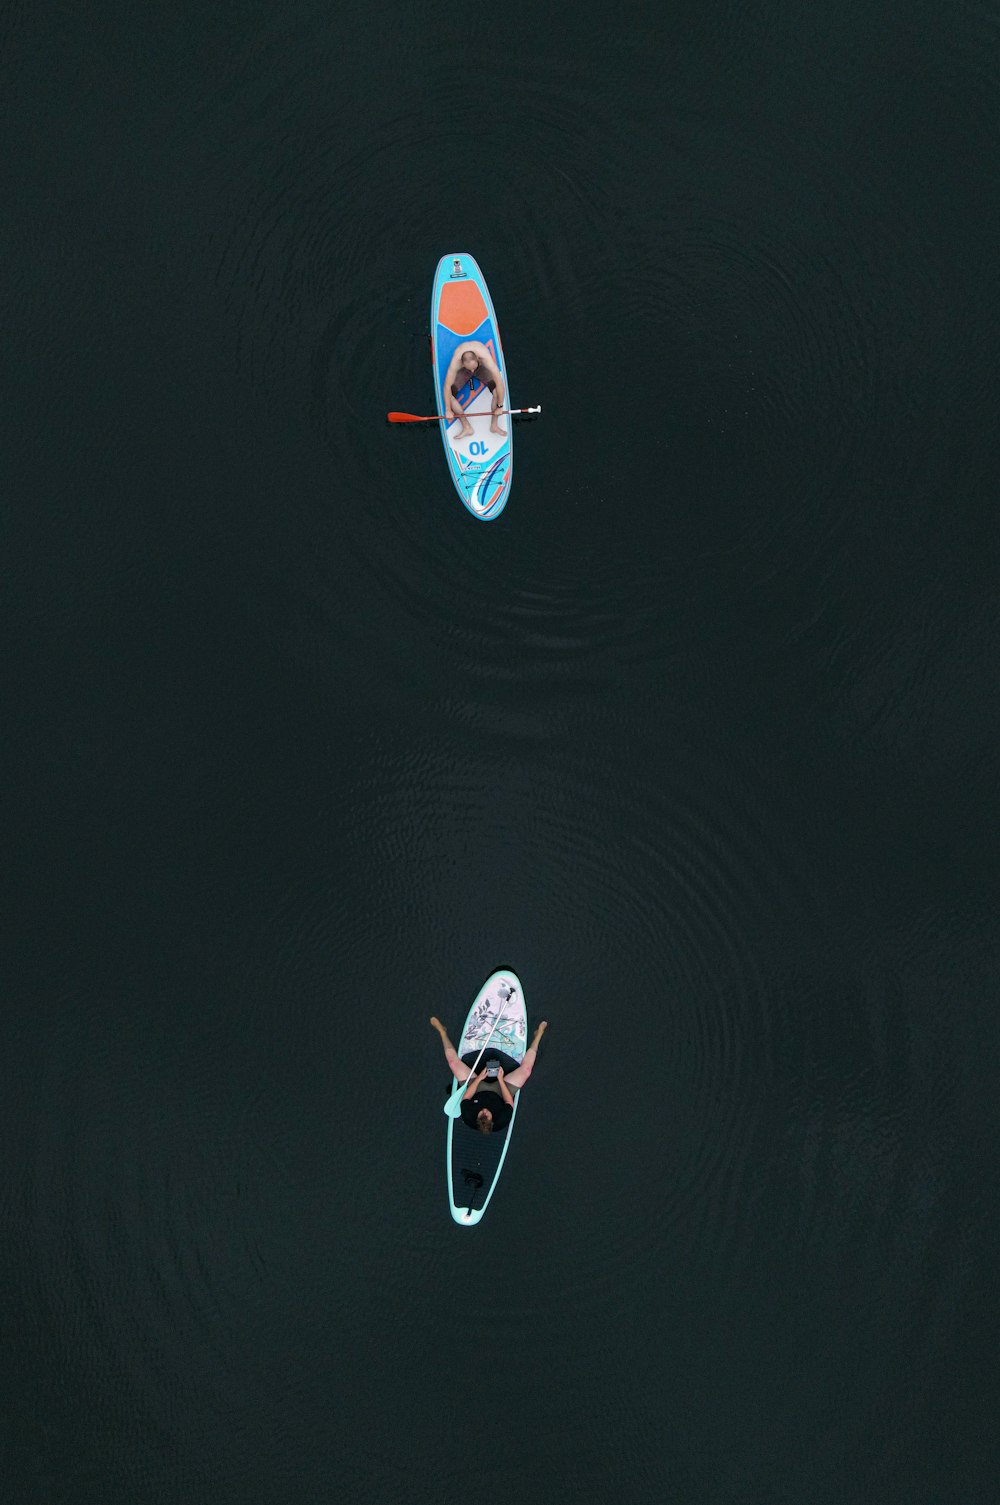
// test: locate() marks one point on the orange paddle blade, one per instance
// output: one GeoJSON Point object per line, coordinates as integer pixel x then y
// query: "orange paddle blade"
{"type": "Point", "coordinates": [410, 418]}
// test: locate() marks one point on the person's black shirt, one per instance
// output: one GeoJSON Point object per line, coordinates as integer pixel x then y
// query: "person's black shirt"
{"type": "Point", "coordinates": [471, 1106]}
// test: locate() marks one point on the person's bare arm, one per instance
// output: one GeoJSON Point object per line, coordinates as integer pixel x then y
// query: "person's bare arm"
{"type": "Point", "coordinates": [505, 1091]}
{"type": "Point", "coordinates": [470, 1091]}
{"type": "Point", "coordinates": [451, 402]}
{"type": "Point", "coordinates": [452, 371]}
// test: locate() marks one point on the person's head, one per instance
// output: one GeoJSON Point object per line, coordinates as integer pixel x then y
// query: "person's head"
{"type": "Point", "coordinates": [484, 1121]}
{"type": "Point", "coordinates": [470, 360]}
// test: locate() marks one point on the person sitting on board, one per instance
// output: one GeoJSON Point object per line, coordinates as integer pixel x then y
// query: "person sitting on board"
{"type": "Point", "coordinates": [473, 361]}
{"type": "Point", "coordinates": [482, 1107]}
{"type": "Point", "coordinates": [487, 1103]}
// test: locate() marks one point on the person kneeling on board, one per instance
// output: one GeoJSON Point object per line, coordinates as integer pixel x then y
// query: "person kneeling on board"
{"type": "Point", "coordinates": [473, 361]}
{"type": "Point", "coordinates": [488, 1102]}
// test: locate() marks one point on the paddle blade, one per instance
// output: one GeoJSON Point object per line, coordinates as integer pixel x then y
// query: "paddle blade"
{"type": "Point", "coordinates": [408, 418]}
{"type": "Point", "coordinates": [453, 1107]}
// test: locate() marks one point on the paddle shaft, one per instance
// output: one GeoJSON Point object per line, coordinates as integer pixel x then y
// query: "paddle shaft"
{"type": "Point", "coordinates": [451, 418]}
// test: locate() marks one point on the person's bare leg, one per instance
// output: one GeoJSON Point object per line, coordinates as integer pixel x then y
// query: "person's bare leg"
{"type": "Point", "coordinates": [456, 411]}
{"type": "Point", "coordinates": [520, 1075]}
{"type": "Point", "coordinates": [495, 424]}
{"type": "Point", "coordinates": [459, 1070]}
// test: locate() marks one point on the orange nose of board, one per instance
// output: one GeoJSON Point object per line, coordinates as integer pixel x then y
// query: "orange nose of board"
{"type": "Point", "coordinates": [462, 308]}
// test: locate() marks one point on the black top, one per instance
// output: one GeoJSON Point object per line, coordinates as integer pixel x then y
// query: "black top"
{"type": "Point", "coordinates": [485, 1099]}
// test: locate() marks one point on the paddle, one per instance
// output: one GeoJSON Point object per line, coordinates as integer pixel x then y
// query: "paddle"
{"type": "Point", "coordinates": [450, 417]}
{"type": "Point", "coordinates": [453, 1107]}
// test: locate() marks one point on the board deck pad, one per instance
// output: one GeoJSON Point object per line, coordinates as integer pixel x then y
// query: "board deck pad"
{"type": "Point", "coordinates": [475, 1160]}
{"type": "Point", "coordinates": [499, 1016]}
{"type": "Point", "coordinates": [481, 463]}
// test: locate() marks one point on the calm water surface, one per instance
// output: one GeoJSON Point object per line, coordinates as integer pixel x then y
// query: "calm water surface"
{"type": "Point", "coordinates": [700, 737]}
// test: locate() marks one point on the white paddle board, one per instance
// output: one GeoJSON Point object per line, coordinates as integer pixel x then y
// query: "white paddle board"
{"type": "Point", "coordinates": [497, 1019]}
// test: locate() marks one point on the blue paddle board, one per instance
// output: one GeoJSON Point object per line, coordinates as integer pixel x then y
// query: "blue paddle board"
{"type": "Point", "coordinates": [481, 463]}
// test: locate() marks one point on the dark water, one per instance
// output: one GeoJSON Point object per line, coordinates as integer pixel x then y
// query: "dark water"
{"type": "Point", "coordinates": [701, 737]}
